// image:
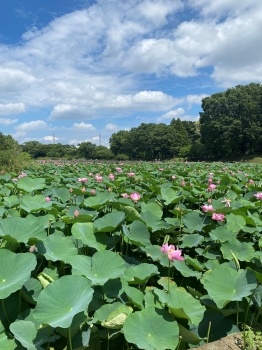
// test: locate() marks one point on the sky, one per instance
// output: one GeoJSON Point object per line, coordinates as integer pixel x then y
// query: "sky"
{"type": "Point", "coordinates": [73, 71]}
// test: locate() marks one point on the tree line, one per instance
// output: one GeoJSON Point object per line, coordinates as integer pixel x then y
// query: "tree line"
{"type": "Point", "coordinates": [230, 124]}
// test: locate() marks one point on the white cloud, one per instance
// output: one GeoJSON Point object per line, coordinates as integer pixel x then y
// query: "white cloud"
{"type": "Point", "coordinates": [12, 108]}
{"type": "Point", "coordinates": [195, 99]}
{"type": "Point", "coordinates": [111, 127]}
{"type": "Point", "coordinates": [68, 112]}
{"type": "Point", "coordinates": [51, 138]}
{"type": "Point", "coordinates": [5, 121]}
{"type": "Point", "coordinates": [82, 127]}
{"type": "Point", "coordinates": [31, 126]}
{"type": "Point", "coordinates": [177, 113]}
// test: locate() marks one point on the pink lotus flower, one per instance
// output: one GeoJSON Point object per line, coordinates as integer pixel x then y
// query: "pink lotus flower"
{"type": "Point", "coordinates": [99, 178]}
{"type": "Point", "coordinates": [207, 208]}
{"type": "Point", "coordinates": [93, 191]}
{"type": "Point", "coordinates": [84, 179]}
{"type": "Point", "coordinates": [183, 183]}
{"type": "Point", "coordinates": [210, 181]}
{"type": "Point", "coordinates": [172, 252]}
{"type": "Point", "coordinates": [131, 174]}
{"type": "Point", "coordinates": [76, 213]}
{"type": "Point", "coordinates": [218, 217]}
{"type": "Point", "coordinates": [160, 169]}
{"type": "Point", "coordinates": [173, 177]}
{"type": "Point", "coordinates": [90, 174]}
{"type": "Point", "coordinates": [211, 187]}
{"type": "Point", "coordinates": [70, 190]}
{"type": "Point", "coordinates": [135, 196]}
{"type": "Point", "coordinates": [258, 195]}
{"type": "Point", "coordinates": [83, 189]}
{"type": "Point", "coordinates": [32, 249]}
{"type": "Point", "coordinates": [111, 177]}
{"type": "Point", "coordinates": [124, 195]}
{"type": "Point", "coordinates": [250, 181]}
{"type": "Point", "coordinates": [47, 199]}
{"type": "Point", "coordinates": [119, 170]}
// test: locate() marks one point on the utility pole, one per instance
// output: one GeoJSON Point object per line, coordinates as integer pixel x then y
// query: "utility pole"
{"type": "Point", "coordinates": [53, 138]}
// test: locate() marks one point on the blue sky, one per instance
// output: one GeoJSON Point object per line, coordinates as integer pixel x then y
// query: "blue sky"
{"type": "Point", "coordinates": [80, 68]}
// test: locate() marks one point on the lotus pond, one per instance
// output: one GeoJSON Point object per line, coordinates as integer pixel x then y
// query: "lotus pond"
{"type": "Point", "coordinates": [81, 264]}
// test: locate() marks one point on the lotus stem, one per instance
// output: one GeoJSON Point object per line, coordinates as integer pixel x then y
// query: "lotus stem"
{"type": "Point", "coordinates": [208, 331]}
{"type": "Point", "coordinates": [258, 314]}
{"type": "Point", "coordinates": [168, 280]}
{"type": "Point", "coordinates": [69, 339]}
{"type": "Point", "coordinates": [3, 307]}
{"type": "Point", "coordinates": [237, 312]}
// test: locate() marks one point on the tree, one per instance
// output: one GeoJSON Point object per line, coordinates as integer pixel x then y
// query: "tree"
{"type": "Point", "coordinates": [87, 150]}
{"type": "Point", "coordinates": [231, 121]}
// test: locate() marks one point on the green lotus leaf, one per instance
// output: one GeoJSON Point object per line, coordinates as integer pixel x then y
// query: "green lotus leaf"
{"type": "Point", "coordinates": [225, 284]}
{"type": "Point", "coordinates": [153, 208]}
{"type": "Point", "coordinates": [85, 232]}
{"type": "Point", "coordinates": [114, 288]}
{"type": "Point", "coordinates": [169, 195]}
{"type": "Point", "coordinates": [42, 220]}
{"type": "Point", "coordinates": [26, 333]}
{"type": "Point", "coordinates": [35, 203]}
{"type": "Point", "coordinates": [185, 270]}
{"type": "Point", "coordinates": [140, 274]}
{"type": "Point", "coordinates": [57, 247]}
{"type": "Point", "coordinates": [135, 296]}
{"type": "Point", "coordinates": [235, 223]}
{"type": "Point", "coordinates": [182, 304]}
{"type": "Point", "coordinates": [151, 331]}
{"type": "Point", "coordinates": [15, 270]}
{"type": "Point", "coordinates": [75, 294]}
{"type": "Point", "coordinates": [187, 336]}
{"type": "Point", "coordinates": [21, 230]}
{"type": "Point", "coordinates": [104, 311]}
{"type": "Point", "coordinates": [31, 290]}
{"type": "Point", "coordinates": [151, 299]}
{"type": "Point", "coordinates": [139, 234]}
{"type": "Point", "coordinates": [98, 201]}
{"type": "Point", "coordinates": [117, 318]}
{"type": "Point", "coordinates": [61, 193]}
{"type": "Point", "coordinates": [192, 240]}
{"type": "Point", "coordinates": [153, 221]}
{"type": "Point", "coordinates": [29, 184]}
{"type": "Point", "coordinates": [109, 222]}
{"type": "Point", "coordinates": [130, 212]}
{"type": "Point", "coordinates": [103, 266]}
{"type": "Point", "coordinates": [221, 233]}
{"type": "Point", "coordinates": [6, 343]}
{"type": "Point", "coordinates": [242, 250]}
{"type": "Point", "coordinates": [195, 221]}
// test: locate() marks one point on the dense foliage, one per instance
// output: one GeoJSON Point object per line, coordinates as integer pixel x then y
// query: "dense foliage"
{"type": "Point", "coordinates": [81, 263]}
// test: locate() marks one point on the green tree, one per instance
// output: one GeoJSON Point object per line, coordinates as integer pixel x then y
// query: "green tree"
{"type": "Point", "coordinates": [231, 121]}
{"type": "Point", "coordinates": [87, 150]}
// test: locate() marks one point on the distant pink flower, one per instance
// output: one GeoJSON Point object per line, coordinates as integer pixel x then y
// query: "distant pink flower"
{"type": "Point", "coordinates": [218, 217]}
{"type": "Point", "coordinates": [172, 252]}
{"type": "Point", "coordinates": [47, 199]}
{"type": "Point", "coordinates": [210, 181]}
{"type": "Point", "coordinates": [124, 195]}
{"type": "Point", "coordinates": [258, 195]}
{"type": "Point", "coordinates": [131, 174]}
{"type": "Point", "coordinates": [76, 213]}
{"type": "Point", "coordinates": [209, 201]}
{"type": "Point", "coordinates": [135, 196]}
{"type": "Point", "coordinates": [160, 169]}
{"type": "Point", "coordinates": [99, 178]}
{"type": "Point", "coordinates": [83, 189]}
{"type": "Point", "coordinates": [111, 177]}
{"type": "Point", "coordinates": [211, 174]}
{"type": "Point", "coordinates": [83, 179]}
{"type": "Point", "coordinates": [32, 249]}
{"type": "Point", "coordinates": [93, 191]}
{"type": "Point", "coordinates": [70, 190]}
{"type": "Point", "coordinates": [183, 183]}
{"type": "Point", "coordinates": [250, 181]}
{"type": "Point", "coordinates": [211, 187]}
{"type": "Point", "coordinates": [173, 177]}
{"type": "Point", "coordinates": [207, 208]}
{"type": "Point", "coordinates": [90, 174]}
{"type": "Point", "coordinates": [119, 170]}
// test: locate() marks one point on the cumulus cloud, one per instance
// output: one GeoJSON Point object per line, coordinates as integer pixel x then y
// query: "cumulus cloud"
{"type": "Point", "coordinates": [5, 121]}
{"type": "Point", "coordinates": [51, 138]}
{"type": "Point", "coordinates": [12, 108]}
{"type": "Point", "coordinates": [111, 127]}
{"type": "Point", "coordinates": [195, 99]}
{"type": "Point", "coordinates": [83, 127]}
{"type": "Point", "coordinates": [177, 113]}
{"type": "Point", "coordinates": [31, 126]}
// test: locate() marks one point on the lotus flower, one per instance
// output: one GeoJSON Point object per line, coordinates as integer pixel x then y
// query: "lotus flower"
{"type": "Point", "coordinates": [124, 195]}
{"type": "Point", "coordinates": [172, 252]}
{"type": "Point", "coordinates": [207, 208]}
{"type": "Point", "coordinates": [258, 195]}
{"type": "Point", "coordinates": [111, 177]}
{"type": "Point", "coordinates": [135, 196]}
{"type": "Point", "coordinates": [211, 187]}
{"type": "Point", "coordinates": [47, 199]}
{"type": "Point", "coordinates": [227, 201]}
{"type": "Point", "coordinates": [218, 217]}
